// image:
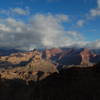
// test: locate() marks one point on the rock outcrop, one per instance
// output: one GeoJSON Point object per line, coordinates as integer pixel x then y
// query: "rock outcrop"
{"type": "Point", "coordinates": [49, 53]}
{"type": "Point", "coordinates": [69, 84]}
{"type": "Point", "coordinates": [21, 57]}
{"type": "Point", "coordinates": [16, 58]}
{"type": "Point", "coordinates": [36, 69]}
{"type": "Point", "coordinates": [85, 55]}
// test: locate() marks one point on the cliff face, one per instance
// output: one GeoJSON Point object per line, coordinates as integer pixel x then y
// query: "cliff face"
{"type": "Point", "coordinates": [36, 69]}
{"type": "Point", "coordinates": [16, 58]}
{"type": "Point", "coordinates": [57, 56]}
{"type": "Point", "coordinates": [39, 79]}
{"type": "Point", "coordinates": [76, 57]}
{"type": "Point", "coordinates": [49, 53]}
{"type": "Point", "coordinates": [86, 55]}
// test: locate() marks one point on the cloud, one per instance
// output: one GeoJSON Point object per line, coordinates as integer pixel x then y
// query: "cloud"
{"type": "Point", "coordinates": [14, 11]}
{"type": "Point", "coordinates": [87, 44]}
{"type": "Point", "coordinates": [98, 3]}
{"type": "Point", "coordinates": [19, 11]}
{"type": "Point", "coordinates": [42, 30]}
{"type": "Point", "coordinates": [4, 28]}
{"type": "Point", "coordinates": [80, 23]}
{"type": "Point", "coordinates": [95, 12]}
{"type": "Point", "coordinates": [75, 35]}
{"type": "Point", "coordinates": [93, 45]}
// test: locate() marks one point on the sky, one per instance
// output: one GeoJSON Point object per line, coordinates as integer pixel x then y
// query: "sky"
{"type": "Point", "coordinates": [28, 24]}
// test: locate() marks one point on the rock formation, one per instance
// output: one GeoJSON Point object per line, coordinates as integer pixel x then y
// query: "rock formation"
{"type": "Point", "coordinates": [85, 55]}
{"type": "Point", "coordinates": [37, 56]}
{"type": "Point", "coordinates": [17, 58]}
{"type": "Point", "coordinates": [49, 53]}
{"type": "Point", "coordinates": [36, 69]}
{"type": "Point", "coordinates": [46, 54]}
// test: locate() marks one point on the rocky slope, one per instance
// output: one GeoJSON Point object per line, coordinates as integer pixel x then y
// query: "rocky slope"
{"type": "Point", "coordinates": [68, 84]}
{"type": "Point", "coordinates": [77, 57]}
{"type": "Point", "coordinates": [56, 56]}
{"type": "Point", "coordinates": [35, 69]}
{"type": "Point", "coordinates": [34, 75]}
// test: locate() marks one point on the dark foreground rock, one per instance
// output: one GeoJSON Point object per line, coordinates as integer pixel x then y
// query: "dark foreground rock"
{"type": "Point", "coordinates": [69, 84]}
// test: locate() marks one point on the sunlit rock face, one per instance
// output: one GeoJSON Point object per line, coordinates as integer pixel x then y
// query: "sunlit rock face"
{"type": "Point", "coordinates": [38, 64]}
{"type": "Point", "coordinates": [57, 56]}
{"type": "Point", "coordinates": [36, 69]}
{"type": "Point", "coordinates": [86, 55]}
{"type": "Point", "coordinates": [16, 58]}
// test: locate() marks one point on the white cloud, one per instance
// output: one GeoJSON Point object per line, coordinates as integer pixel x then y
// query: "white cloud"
{"type": "Point", "coordinates": [19, 11]}
{"type": "Point", "coordinates": [75, 35]}
{"type": "Point", "coordinates": [14, 11]}
{"type": "Point", "coordinates": [87, 44]}
{"type": "Point", "coordinates": [4, 28]}
{"type": "Point", "coordinates": [80, 23]}
{"type": "Point", "coordinates": [90, 15]}
{"type": "Point", "coordinates": [62, 17]}
{"type": "Point", "coordinates": [98, 2]}
{"type": "Point", "coordinates": [42, 30]}
{"type": "Point", "coordinates": [95, 12]}
{"type": "Point", "coordinates": [93, 45]}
